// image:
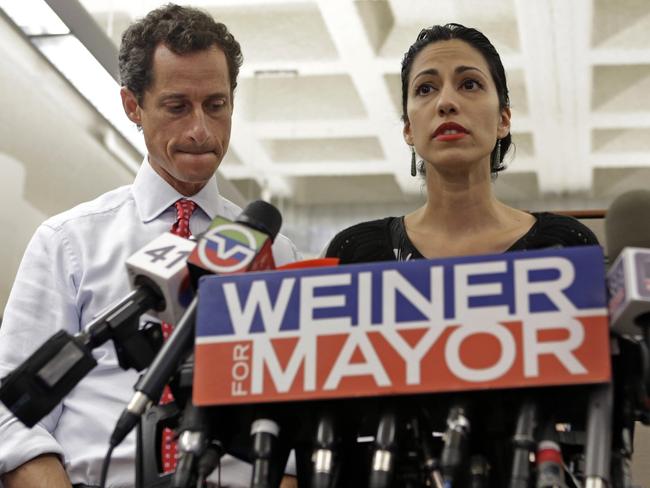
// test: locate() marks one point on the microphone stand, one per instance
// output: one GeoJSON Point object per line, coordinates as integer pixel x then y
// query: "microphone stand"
{"type": "Point", "coordinates": [456, 440]}
{"type": "Point", "coordinates": [599, 436]}
{"type": "Point", "coordinates": [429, 467]}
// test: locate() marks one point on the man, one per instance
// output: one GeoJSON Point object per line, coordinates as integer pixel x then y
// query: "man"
{"type": "Point", "coordinates": [178, 69]}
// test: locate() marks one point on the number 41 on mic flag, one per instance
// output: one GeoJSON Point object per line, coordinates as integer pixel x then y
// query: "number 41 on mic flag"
{"type": "Point", "coordinates": [510, 320]}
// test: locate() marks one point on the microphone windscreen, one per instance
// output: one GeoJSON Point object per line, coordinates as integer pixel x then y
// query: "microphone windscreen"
{"type": "Point", "coordinates": [262, 216]}
{"type": "Point", "coordinates": [627, 223]}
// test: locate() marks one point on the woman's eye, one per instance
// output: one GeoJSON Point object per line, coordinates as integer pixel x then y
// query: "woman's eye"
{"type": "Point", "coordinates": [471, 84]}
{"type": "Point", "coordinates": [424, 89]}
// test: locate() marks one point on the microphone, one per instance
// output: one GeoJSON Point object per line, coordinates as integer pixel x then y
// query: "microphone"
{"type": "Point", "coordinates": [628, 279]}
{"type": "Point", "coordinates": [227, 246]}
{"type": "Point", "coordinates": [626, 222]}
{"type": "Point", "coordinates": [429, 463]}
{"type": "Point", "coordinates": [550, 470]}
{"type": "Point", "coordinates": [162, 266]}
{"type": "Point", "coordinates": [628, 283]}
{"type": "Point", "coordinates": [479, 472]}
{"type": "Point", "coordinates": [455, 443]}
{"type": "Point", "coordinates": [237, 247]}
{"type": "Point", "coordinates": [192, 443]}
{"type": "Point", "coordinates": [157, 274]}
{"type": "Point", "coordinates": [524, 442]}
{"type": "Point", "coordinates": [324, 457]}
{"type": "Point", "coordinates": [383, 459]}
{"type": "Point", "coordinates": [264, 436]}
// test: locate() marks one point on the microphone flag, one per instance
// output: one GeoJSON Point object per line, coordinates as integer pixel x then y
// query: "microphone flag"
{"type": "Point", "coordinates": [628, 282]}
{"type": "Point", "coordinates": [512, 320]}
{"type": "Point", "coordinates": [163, 262]}
{"type": "Point", "coordinates": [230, 247]}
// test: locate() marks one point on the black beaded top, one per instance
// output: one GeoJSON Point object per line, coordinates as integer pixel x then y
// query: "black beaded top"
{"type": "Point", "coordinates": [386, 239]}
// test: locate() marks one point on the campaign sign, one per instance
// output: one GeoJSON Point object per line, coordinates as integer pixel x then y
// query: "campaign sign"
{"type": "Point", "coordinates": [519, 319]}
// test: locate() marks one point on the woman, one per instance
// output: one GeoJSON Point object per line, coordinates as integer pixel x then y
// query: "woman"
{"type": "Point", "coordinates": [456, 114]}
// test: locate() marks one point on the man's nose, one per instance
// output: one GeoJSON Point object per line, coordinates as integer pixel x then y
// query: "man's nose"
{"type": "Point", "coordinates": [198, 131]}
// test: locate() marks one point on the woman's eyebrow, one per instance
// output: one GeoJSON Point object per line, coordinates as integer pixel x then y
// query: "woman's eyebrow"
{"type": "Point", "coordinates": [462, 69]}
{"type": "Point", "coordinates": [458, 70]}
{"type": "Point", "coordinates": [428, 71]}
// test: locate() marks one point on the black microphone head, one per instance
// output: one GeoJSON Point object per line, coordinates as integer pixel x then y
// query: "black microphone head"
{"type": "Point", "coordinates": [627, 223]}
{"type": "Point", "coordinates": [262, 216]}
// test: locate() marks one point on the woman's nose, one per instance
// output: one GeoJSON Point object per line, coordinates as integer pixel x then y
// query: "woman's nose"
{"type": "Point", "coordinates": [447, 102]}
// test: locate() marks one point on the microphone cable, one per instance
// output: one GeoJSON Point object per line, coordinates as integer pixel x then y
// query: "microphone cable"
{"type": "Point", "coordinates": [105, 464]}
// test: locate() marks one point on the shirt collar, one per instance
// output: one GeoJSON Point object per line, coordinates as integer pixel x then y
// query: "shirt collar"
{"type": "Point", "coordinates": [153, 195]}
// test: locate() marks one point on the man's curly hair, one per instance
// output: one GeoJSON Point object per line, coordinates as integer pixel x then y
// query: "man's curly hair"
{"type": "Point", "coordinates": [183, 30]}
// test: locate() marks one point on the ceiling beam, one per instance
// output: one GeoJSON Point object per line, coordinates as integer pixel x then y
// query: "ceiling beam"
{"type": "Point", "coordinates": [83, 26]}
{"type": "Point", "coordinates": [619, 57]}
{"type": "Point", "coordinates": [555, 37]}
{"type": "Point", "coordinates": [620, 120]}
{"type": "Point", "coordinates": [356, 52]}
{"type": "Point", "coordinates": [250, 151]}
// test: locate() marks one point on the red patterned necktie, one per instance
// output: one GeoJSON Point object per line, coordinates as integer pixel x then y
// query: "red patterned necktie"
{"type": "Point", "coordinates": [184, 210]}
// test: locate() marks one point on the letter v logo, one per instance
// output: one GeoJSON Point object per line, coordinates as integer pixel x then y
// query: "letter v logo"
{"type": "Point", "coordinates": [227, 254]}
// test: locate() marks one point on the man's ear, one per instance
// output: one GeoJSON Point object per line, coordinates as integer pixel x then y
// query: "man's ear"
{"type": "Point", "coordinates": [406, 132]}
{"type": "Point", "coordinates": [131, 106]}
{"type": "Point", "coordinates": [504, 123]}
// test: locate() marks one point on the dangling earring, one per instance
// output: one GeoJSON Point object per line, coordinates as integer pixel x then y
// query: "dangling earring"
{"type": "Point", "coordinates": [497, 155]}
{"type": "Point", "coordinates": [414, 171]}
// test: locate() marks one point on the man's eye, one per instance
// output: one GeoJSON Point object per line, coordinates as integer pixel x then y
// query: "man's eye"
{"type": "Point", "coordinates": [177, 108]}
{"type": "Point", "coordinates": [216, 105]}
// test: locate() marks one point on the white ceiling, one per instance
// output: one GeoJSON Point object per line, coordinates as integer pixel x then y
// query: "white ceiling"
{"type": "Point", "coordinates": [319, 94]}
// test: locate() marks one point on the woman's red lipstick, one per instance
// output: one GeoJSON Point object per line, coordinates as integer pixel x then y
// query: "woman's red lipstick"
{"type": "Point", "coordinates": [449, 131]}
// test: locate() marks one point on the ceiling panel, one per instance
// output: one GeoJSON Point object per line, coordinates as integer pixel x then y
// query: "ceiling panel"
{"type": "Point", "coordinates": [320, 88]}
{"type": "Point", "coordinates": [277, 31]}
{"type": "Point", "coordinates": [324, 149]}
{"type": "Point", "coordinates": [294, 98]}
{"type": "Point", "coordinates": [349, 188]}
{"type": "Point", "coordinates": [618, 88]}
{"type": "Point", "coordinates": [621, 24]}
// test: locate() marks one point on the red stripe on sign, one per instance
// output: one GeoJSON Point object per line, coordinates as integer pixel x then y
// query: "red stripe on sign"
{"type": "Point", "coordinates": [458, 358]}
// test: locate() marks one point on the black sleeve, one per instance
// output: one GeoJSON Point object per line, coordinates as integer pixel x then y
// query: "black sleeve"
{"type": "Point", "coordinates": [363, 243]}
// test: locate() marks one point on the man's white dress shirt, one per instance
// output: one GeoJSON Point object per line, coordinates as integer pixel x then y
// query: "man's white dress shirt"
{"type": "Point", "coordinates": [72, 269]}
